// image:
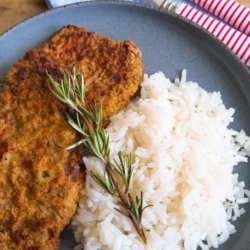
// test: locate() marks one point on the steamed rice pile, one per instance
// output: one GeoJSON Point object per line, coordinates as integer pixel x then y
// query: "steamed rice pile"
{"type": "Point", "coordinates": [184, 155]}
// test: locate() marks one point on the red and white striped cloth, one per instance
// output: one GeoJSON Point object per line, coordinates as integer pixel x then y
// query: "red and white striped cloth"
{"type": "Point", "coordinates": [238, 42]}
{"type": "Point", "coordinates": [231, 12]}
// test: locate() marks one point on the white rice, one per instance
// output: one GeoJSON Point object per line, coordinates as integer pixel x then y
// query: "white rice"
{"type": "Point", "coordinates": [184, 155]}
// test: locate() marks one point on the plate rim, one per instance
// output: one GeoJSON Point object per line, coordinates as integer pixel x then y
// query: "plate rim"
{"type": "Point", "coordinates": [137, 4]}
{"type": "Point", "coordinates": [241, 67]}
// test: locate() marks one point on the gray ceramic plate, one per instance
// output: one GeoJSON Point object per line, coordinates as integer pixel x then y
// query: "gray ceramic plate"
{"type": "Point", "coordinates": [168, 44]}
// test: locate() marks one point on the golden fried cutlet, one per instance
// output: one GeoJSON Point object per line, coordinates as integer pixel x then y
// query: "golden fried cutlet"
{"type": "Point", "coordinates": [39, 183]}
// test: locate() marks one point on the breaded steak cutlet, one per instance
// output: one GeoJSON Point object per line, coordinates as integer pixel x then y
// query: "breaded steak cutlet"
{"type": "Point", "coordinates": [39, 183]}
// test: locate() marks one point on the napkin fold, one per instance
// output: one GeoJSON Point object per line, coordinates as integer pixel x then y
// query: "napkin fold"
{"type": "Point", "coordinates": [58, 3]}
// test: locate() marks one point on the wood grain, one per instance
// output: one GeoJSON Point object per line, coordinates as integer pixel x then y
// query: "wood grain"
{"type": "Point", "coordinates": [245, 2]}
{"type": "Point", "coordinates": [15, 11]}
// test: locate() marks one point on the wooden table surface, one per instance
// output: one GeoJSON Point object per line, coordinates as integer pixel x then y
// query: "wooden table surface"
{"type": "Point", "coordinates": [15, 11]}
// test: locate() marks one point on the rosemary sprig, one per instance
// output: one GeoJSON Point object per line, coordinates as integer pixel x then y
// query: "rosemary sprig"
{"type": "Point", "coordinates": [95, 141]}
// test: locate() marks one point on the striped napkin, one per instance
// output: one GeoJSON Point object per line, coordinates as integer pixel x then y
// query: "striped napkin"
{"type": "Point", "coordinates": [231, 25]}
{"type": "Point", "coordinates": [227, 20]}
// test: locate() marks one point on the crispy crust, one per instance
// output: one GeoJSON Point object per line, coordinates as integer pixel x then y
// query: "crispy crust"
{"type": "Point", "coordinates": [40, 183]}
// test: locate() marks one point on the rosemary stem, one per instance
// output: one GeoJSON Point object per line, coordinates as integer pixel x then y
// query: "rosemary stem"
{"type": "Point", "coordinates": [138, 228]}
{"type": "Point", "coordinates": [121, 194]}
{"type": "Point", "coordinates": [124, 199]}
